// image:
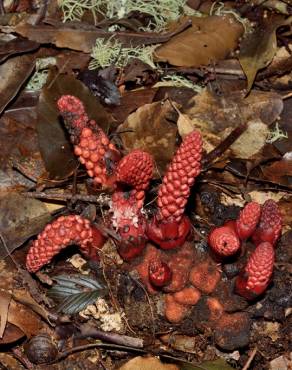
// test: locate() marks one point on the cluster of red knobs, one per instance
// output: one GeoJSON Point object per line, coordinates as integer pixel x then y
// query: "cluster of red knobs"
{"type": "Point", "coordinates": [128, 178]}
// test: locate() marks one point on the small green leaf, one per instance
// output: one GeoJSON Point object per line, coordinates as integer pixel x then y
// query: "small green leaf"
{"type": "Point", "coordinates": [76, 292]}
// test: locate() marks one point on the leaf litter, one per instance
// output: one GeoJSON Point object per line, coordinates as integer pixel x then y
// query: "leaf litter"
{"type": "Point", "coordinates": [148, 73]}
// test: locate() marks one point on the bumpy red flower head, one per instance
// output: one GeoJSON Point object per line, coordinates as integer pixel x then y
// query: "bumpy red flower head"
{"type": "Point", "coordinates": [57, 235]}
{"type": "Point", "coordinates": [170, 226]}
{"type": "Point", "coordinates": [248, 220]}
{"type": "Point", "coordinates": [73, 111]}
{"type": "Point", "coordinates": [224, 241]}
{"type": "Point", "coordinates": [129, 223]}
{"type": "Point", "coordinates": [91, 145]}
{"type": "Point", "coordinates": [270, 227]}
{"type": "Point", "coordinates": [255, 278]}
{"type": "Point", "coordinates": [135, 169]}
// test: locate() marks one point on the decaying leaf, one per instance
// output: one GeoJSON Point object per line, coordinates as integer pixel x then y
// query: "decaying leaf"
{"type": "Point", "coordinates": [11, 334]}
{"type": "Point", "coordinates": [215, 113]}
{"type": "Point", "coordinates": [14, 72]}
{"type": "Point", "coordinates": [5, 299]}
{"type": "Point", "coordinates": [251, 141]}
{"type": "Point", "coordinates": [152, 128]}
{"type": "Point", "coordinates": [219, 364]}
{"type": "Point", "coordinates": [147, 363]}
{"type": "Point", "coordinates": [83, 39]}
{"type": "Point", "coordinates": [18, 223]}
{"type": "Point", "coordinates": [24, 319]}
{"type": "Point", "coordinates": [16, 46]}
{"type": "Point", "coordinates": [259, 47]}
{"type": "Point", "coordinates": [279, 172]}
{"type": "Point", "coordinates": [55, 147]}
{"type": "Point", "coordinates": [208, 40]}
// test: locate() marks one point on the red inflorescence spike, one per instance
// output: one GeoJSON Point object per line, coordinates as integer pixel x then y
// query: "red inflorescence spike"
{"type": "Point", "coordinates": [135, 169]}
{"type": "Point", "coordinates": [270, 226]}
{"type": "Point", "coordinates": [224, 241]}
{"type": "Point", "coordinates": [255, 278]}
{"type": "Point", "coordinates": [57, 235]}
{"type": "Point", "coordinates": [129, 223]}
{"type": "Point", "coordinates": [170, 226]}
{"type": "Point", "coordinates": [91, 145]}
{"type": "Point", "coordinates": [248, 220]}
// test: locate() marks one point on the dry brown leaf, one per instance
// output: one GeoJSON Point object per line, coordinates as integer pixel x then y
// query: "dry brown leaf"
{"type": "Point", "coordinates": [209, 39]}
{"type": "Point", "coordinates": [22, 296]}
{"type": "Point", "coordinates": [24, 319]}
{"type": "Point", "coordinates": [184, 125]}
{"type": "Point", "coordinates": [14, 72]}
{"type": "Point", "coordinates": [251, 141]}
{"type": "Point", "coordinates": [147, 363]}
{"type": "Point", "coordinates": [152, 131]}
{"type": "Point", "coordinates": [215, 113]}
{"type": "Point", "coordinates": [18, 223]}
{"type": "Point", "coordinates": [279, 172]}
{"type": "Point", "coordinates": [5, 299]}
{"type": "Point", "coordinates": [259, 47]}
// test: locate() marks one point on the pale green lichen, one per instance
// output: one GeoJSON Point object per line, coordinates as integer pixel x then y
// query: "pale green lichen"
{"type": "Point", "coordinates": [180, 81]}
{"type": "Point", "coordinates": [219, 9]}
{"type": "Point", "coordinates": [39, 78]}
{"type": "Point", "coordinates": [276, 134]}
{"type": "Point", "coordinates": [162, 11]}
{"type": "Point", "coordinates": [111, 52]}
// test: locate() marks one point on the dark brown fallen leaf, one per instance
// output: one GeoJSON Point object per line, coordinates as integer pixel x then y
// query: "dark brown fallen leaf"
{"type": "Point", "coordinates": [18, 223]}
{"type": "Point", "coordinates": [14, 72]}
{"type": "Point", "coordinates": [279, 172]}
{"type": "Point", "coordinates": [208, 40]}
{"type": "Point", "coordinates": [147, 363]}
{"type": "Point", "coordinates": [54, 143]}
{"type": "Point", "coordinates": [83, 38]}
{"type": "Point", "coordinates": [131, 101]}
{"type": "Point", "coordinates": [5, 299]}
{"type": "Point", "coordinates": [16, 46]}
{"type": "Point", "coordinates": [24, 319]}
{"type": "Point", "coordinates": [11, 334]}
{"type": "Point", "coordinates": [214, 113]}
{"type": "Point", "coordinates": [152, 128]}
{"type": "Point", "coordinates": [259, 47]}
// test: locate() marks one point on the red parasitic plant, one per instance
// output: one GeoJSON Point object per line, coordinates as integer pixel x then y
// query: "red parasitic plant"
{"type": "Point", "coordinates": [57, 235]}
{"type": "Point", "coordinates": [224, 241]}
{"type": "Point", "coordinates": [270, 226]}
{"type": "Point", "coordinates": [91, 144]}
{"type": "Point", "coordinates": [170, 227]}
{"type": "Point", "coordinates": [129, 223]}
{"type": "Point", "coordinates": [134, 170]}
{"type": "Point", "coordinates": [257, 274]}
{"type": "Point", "coordinates": [248, 220]}
{"type": "Point", "coordinates": [159, 273]}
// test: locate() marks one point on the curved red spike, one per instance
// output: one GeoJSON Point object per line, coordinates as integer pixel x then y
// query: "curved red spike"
{"type": "Point", "coordinates": [57, 235]}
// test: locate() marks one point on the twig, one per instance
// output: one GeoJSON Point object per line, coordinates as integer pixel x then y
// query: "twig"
{"type": "Point", "coordinates": [101, 199]}
{"type": "Point", "coordinates": [251, 357]}
{"type": "Point", "coordinates": [224, 145]}
{"type": "Point", "coordinates": [85, 347]}
{"type": "Point", "coordinates": [124, 340]}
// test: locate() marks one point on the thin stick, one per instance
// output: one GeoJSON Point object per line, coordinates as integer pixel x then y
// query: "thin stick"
{"type": "Point", "coordinates": [101, 199]}
{"type": "Point", "coordinates": [251, 357]}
